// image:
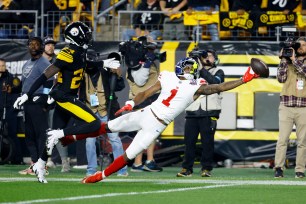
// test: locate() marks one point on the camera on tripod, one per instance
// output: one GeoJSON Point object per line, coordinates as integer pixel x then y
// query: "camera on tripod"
{"type": "Point", "coordinates": [290, 43]}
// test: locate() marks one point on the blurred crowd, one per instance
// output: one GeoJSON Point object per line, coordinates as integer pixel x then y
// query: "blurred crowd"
{"type": "Point", "coordinates": [168, 25]}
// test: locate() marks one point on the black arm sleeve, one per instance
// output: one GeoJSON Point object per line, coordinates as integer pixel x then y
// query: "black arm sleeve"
{"type": "Point", "coordinates": [38, 82]}
{"type": "Point", "coordinates": [218, 78]}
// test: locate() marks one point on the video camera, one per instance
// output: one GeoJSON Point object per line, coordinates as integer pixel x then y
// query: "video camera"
{"type": "Point", "coordinates": [137, 52]}
{"type": "Point", "coordinates": [290, 42]}
{"type": "Point", "coordinates": [196, 53]}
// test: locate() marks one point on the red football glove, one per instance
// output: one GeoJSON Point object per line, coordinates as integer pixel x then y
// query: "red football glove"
{"type": "Point", "coordinates": [128, 107]}
{"type": "Point", "coordinates": [249, 75]}
{"type": "Point", "coordinates": [68, 139]}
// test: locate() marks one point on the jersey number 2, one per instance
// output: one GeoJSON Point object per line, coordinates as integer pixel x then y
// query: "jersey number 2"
{"type": "Point", "coordinates": [166, 102]}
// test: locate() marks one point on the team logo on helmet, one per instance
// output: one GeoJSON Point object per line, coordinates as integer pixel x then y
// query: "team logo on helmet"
{"type": "Point", "coordinates": [74, 31]}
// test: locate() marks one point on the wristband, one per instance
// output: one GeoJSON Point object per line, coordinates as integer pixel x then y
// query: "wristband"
{"type": "Point", "coordinates": [131, 103]}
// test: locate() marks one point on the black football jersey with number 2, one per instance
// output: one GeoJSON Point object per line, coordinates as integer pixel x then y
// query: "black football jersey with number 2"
{"type": "Point", "coordinates": [72, 63]}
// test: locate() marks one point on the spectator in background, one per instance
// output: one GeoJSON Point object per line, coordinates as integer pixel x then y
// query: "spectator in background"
{"type": "Point", "coordinates": [49, 47]}
{"type": "Point", "coordinates": [292, 109]}
{"type": "Point", "coordinates": [202, 116]}
{"type": "Point", "coordinates": [145, 23]}
{"type": "Point", "coordinates": [6, 30]}
{"type": "Point", "coordinates": [99, 95]}
{"type": "Point", "coordinates": [10, 87]}
{"type": "Point", "coordinates": [209, 7]}
{"type": "Point", "coordinates": [173, 26]}
{"type": "Point", "coordinates": [139, 79]}
{"type": "Point", "coordinates": [34, 109]}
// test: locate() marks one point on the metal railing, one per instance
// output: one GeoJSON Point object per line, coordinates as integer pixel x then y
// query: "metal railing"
{"type": "Point", "coordinates": [19, 30]}
{"type": "Point", "coordinates": [271, 33]}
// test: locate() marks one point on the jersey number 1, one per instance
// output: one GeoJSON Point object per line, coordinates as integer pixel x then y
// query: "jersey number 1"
{"type": "Point", "coordinates": [166, 102]}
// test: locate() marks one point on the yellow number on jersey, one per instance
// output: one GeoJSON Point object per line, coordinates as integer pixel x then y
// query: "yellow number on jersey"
{"type": "Point", "coordinates": [75, 81]}
{"type": "Point", "coordinates": [78, 75]}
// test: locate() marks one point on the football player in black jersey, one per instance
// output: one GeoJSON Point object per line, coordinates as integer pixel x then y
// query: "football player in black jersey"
{"type": "Point", "coordinates": [70, 65]}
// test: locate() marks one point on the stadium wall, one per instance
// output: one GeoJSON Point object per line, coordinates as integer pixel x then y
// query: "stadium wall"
{"type": "Point", "coordinates": [249, 117]}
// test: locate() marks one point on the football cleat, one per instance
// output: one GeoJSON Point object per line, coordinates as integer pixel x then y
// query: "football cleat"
{"type": "Point", "coordinates": [94, 178]}
{"type": "Point", "coordinates": [40, 172]}
{"type": "Point", "coordinates": [184, 173]}
{"type": "Point", "coordinates": [205, 173]}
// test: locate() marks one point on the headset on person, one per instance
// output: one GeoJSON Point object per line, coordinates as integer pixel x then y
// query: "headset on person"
{"type": "Point", "coordinates": [214, 53]}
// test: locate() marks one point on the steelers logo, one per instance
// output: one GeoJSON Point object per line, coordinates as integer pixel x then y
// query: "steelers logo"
{"type": "Point", "coordinates": [226, 22]}
{"type": "Point", "coordinates": [249, 24]}
{"type": "Point", "coordinates": [291, 17]}
{"type": "Point", "coordinates": [264, 18]}
{"type": "Point", "coordinates": [74, 31]}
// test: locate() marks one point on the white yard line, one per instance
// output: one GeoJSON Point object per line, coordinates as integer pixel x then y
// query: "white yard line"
{"type": "Point", "coordinates": [215, 184]}
{"type": "Point", "coordinates": [119, 194]}
{"type": "Point", "coordinates": [298, 182]}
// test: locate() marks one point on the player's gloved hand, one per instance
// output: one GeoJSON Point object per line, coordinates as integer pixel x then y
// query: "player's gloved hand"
{"type": "Point", "coordinates": [20, 100]}
{"type": "Point", "coordinates": [128, 107]}
{"type": "Point", "coordinates": [249, 75]}
{"type": "Point", "coordinates": [111, 63]}
{"type": "Point", "coordinates": [68, 139]}
{"type": "Point", "coordinates": [50, 100]}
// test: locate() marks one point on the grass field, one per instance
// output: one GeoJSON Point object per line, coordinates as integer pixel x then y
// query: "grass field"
{"type": "Point", "coordinates": [244, 185]}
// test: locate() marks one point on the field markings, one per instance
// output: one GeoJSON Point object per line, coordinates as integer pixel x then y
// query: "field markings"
{"type": "Point", "coordinates": [120, 194]}
{"type": "Point", "coordinates": [175, 180]}
{"type": "Point", "coordinates": [215, 184]}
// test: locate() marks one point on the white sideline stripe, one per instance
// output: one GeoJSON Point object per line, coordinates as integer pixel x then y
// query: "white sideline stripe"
{"type": "Point", "coordinates": [118, 194]}
{"type": "Point", "coordinates": [176, 180]}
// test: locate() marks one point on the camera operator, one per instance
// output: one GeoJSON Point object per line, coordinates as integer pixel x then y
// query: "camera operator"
{"type": "Point", "coordinates": [202, 115]}
{"type": "Point", "coordinates": [292, 109]}
{"type": "Point", "coordinates": [140, 77]}
{"type": "Point", "coordinates": [10, 87]}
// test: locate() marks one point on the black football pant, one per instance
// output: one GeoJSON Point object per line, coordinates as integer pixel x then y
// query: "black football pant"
{"type": "Point", "coordinates": [74, 117]}
{"type": "Point", "coordinates": [36, 124]}
{"type": "Point", "coordinates": [206, 127]}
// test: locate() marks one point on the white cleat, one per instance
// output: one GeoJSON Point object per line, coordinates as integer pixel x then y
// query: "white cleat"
{"type": "Point", "coordinates": [40, 171]}
{"type": "Point", "coordinates": [53, 138]}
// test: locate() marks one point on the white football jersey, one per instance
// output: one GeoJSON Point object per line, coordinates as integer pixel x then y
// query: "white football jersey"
{"type": "Point", "coordinates": [175, 96]}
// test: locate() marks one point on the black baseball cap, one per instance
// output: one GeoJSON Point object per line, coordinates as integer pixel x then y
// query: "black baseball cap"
{"type": "Point", "coordinates": [48, 40]}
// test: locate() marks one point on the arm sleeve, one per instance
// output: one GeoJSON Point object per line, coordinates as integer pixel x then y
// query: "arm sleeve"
{"type": "Point", "coordinates": [38, 82]}
{"type": "Point", "coordinates": [141, 76]}
{"type": "Point", "coordinates": [218, 78]}
{"type": "Point", "coordinates": [282, 71]}
{"type": "Point", "coordinates": [300, 67]}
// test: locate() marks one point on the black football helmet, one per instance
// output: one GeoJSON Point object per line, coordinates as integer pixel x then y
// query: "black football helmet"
{"type": "Point", "coordinates": [79, 34]}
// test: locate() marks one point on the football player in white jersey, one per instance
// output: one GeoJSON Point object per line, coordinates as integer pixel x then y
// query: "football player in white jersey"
{"type": "Point", "coordinates": [177, 91]}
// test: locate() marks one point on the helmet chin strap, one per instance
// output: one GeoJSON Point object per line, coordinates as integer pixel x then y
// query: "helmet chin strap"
{"type": "Point", "coordinates": [72, 42]}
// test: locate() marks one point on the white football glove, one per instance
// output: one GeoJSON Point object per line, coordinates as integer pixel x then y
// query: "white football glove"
{"type": "Point", "coordinates": [111, 63]}
{"type": "Point", "coordinates": [50, 100]}
{"type": "Point", "coordinates": [20, 100]}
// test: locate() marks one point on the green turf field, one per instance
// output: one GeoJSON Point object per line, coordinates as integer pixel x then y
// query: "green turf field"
{"type": "Point", "coordinates": [236, 185]}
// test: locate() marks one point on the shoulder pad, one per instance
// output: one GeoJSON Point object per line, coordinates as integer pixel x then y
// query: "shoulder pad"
{"type": "Point", "coordinates": [66, 55]}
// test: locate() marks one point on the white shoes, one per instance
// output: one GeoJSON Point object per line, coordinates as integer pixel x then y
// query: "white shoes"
{"type": "Point", "coordinates": [65, 165]}
{"type": "Point", "coordinates": [39, 169]}
{"type": "Point", "coordinates": [53, 138]}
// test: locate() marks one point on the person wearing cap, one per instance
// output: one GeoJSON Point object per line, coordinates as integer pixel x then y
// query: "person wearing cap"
{"type": "Point", "coordinates": [34, 109]}
{"type": "Point", "coordinates": [202, 116]}
{"type": "Point", "coordinates": [49, 48]}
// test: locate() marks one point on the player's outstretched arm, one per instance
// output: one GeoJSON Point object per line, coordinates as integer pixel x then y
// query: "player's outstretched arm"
{"type": "Point", "coordinates": [216, 88]}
